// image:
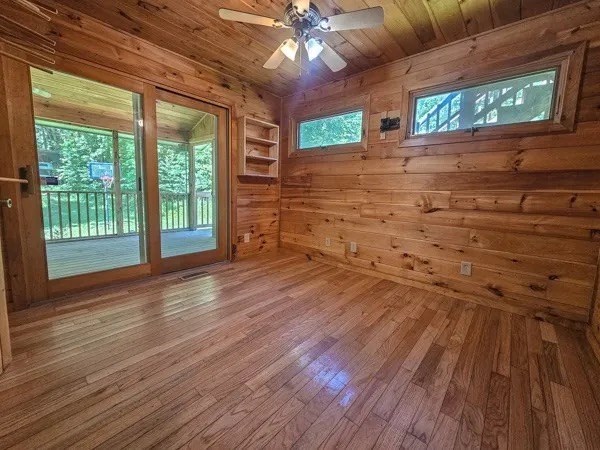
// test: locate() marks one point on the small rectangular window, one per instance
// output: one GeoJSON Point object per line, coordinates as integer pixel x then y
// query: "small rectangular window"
{"type": "Point", "coordinates": [520, 99]}
{"type": "Point", "coordinates": [339, 129]}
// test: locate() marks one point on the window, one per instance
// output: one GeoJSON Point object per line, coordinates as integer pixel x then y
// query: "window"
{"type": "Point", "coordinates": [526, 95]}
{"type": "Point", "coordinates": [520, 99]}
{"type": "Point", "coordinates": [339, 129]}
{"type": "Point", "coordinates": [329, 126]}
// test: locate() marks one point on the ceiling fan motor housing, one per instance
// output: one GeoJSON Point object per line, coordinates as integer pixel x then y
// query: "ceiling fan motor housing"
{"type": "Point", "coordinates": [302, 25]}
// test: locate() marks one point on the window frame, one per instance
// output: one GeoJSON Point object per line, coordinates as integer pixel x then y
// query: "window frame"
{"type": "Point", "coordinates": [333, 107]}
{"type": "Point", "coordinates": [568, 62]}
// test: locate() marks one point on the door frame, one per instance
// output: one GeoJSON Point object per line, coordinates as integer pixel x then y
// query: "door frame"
{"type": "Point", "coordinates": [160, 265]}
{"type": "Point", "coordinates": [79, 283]}
{"type": "Point", "coordinates": [154, 266]}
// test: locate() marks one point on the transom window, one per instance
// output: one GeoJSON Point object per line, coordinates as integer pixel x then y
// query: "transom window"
{"type": "Point", "coordinates": [335, 130]}
{"type": "Point", "coordinates": [525, 98]}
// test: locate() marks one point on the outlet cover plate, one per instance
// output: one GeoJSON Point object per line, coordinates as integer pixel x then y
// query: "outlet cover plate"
{"type": "Point", "coordinates": [328, 242]}
{"type": "Point", "coordinates": [353, 247]}
{"type": "Point", "coordinates": [246, 237]}
{"type": "Point", "coordinates": [466, 268]}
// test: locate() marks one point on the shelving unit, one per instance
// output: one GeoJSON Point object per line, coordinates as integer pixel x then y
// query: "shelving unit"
{"type": "Point", "coordinates": [259, 148]}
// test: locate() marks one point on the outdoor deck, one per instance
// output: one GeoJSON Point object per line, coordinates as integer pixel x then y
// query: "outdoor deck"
{"type": "Point", "coordinates": [67, 258]}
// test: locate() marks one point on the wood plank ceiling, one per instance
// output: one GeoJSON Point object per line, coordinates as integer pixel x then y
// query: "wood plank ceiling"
{"type": "Point", "coordinates": [69, 99]}
{"type": "Point", "coordinates": [193, 28]}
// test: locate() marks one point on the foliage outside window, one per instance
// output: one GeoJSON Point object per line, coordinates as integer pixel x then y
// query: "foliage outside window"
{"type": "Point", "coordinates": [65, 151]}
{"type": "Point", "coordinates": [522, 99]}
{"type": "Point", "coordinates": [339, 129]}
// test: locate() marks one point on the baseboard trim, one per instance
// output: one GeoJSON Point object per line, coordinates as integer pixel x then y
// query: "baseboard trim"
{"type": "Point", "coordinates": [577, 322]}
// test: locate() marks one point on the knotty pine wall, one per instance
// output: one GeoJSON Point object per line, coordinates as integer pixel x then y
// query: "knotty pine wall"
{"type": "Point", "coordinates": [525, 211]}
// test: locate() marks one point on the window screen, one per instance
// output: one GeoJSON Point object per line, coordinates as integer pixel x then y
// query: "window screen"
{"type": "Point", "coordinates": [526, 98]}
{"type": "Point", "coordinates": [338, 129]}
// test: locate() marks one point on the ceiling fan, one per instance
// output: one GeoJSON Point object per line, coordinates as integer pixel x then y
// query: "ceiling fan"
{"type": "Point", "coordinates": [303, 17]}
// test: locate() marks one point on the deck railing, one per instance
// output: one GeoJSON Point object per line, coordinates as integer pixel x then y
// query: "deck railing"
{"type": "Point", "coordinates": [438, 117]}
{"type": "Point", "coordinates": [94, 214]}
{"type": "Point", "coordinates": [511, 100]}
{"type": "Point", "coordinates": [176, 214]}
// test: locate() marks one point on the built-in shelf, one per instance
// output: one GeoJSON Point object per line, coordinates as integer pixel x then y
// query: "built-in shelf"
{"type": "Point", "coordinates": [259, 148]}
{"type": "Point", "coordinates": [253, 175]}
{"type": "Point", "coordinates": [266, 159]}
{"type": "Point", "coordinates": [258, 140]}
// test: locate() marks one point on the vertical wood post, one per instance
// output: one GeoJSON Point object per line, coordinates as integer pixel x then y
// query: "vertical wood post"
{"type": "Point", "coordinates": [117, 183]}
{"type": "Point", "coordinates": [139, 142]}
{"type": "Point", "coordinates": [151, 178]}
{"type": "Point", "coordinates": [193, 201]}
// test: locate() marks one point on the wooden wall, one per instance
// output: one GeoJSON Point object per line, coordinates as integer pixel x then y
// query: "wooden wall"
{"type": "Point", "coordinates": [593, 331]}
{"type": "Point", "coordinates": [84, 44]}
{"type": "Point", "coordinates": [525, 211]}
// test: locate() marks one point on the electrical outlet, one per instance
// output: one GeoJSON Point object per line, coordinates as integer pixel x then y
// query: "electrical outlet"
{"type": "Point", "coordinates": [466, 268]}
{"type": "Point", "coordinates": [327, 242]}
{"type": "Point", "coordinates": [246, 237]}
{"type": "Point", "coordinates": [353, 247]}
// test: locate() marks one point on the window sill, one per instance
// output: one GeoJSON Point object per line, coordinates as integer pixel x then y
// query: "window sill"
{"type": "Point", "coordinates": [329, 150]}
{"type": "Point", "coordinates": [487, 133]}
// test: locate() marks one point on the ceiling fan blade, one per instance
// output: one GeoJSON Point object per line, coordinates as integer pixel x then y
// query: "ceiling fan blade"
{"type": "Point", "coordinates": [275, 60]}
{"type": "Point", "coordinates": [239, 16]}
{"type": "Point", "coordinates": [330, 57]}
{"type": "Point", "coordinates": [364, 18]}
{"type": "Point", "coordinates": [301, 7]}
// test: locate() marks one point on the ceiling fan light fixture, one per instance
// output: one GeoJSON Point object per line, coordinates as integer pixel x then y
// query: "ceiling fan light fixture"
{"type": "Point", "coordinates": [314, 48]}
{"type": "Point", "coordinates": [289, 48]}
{"type": "Point", "coordinates": [303, 16]}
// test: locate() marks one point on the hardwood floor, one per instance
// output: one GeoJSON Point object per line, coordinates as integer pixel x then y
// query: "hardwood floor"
{"type": "Point", "coordinates": [278, 352]}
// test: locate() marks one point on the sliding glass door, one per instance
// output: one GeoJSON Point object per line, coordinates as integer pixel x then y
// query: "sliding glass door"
{"type": "Point", "coordinates": [123, 195]}
{"type": "Point", "coordinates": [90, 165]}
{"type": "Point", "coordinates": [192, 179]}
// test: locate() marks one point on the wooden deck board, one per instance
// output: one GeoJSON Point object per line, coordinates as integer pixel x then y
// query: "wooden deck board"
{"type": "Point", "coordinates": [66, 258]}
{"type": "Point", "coordinates": [278, 351]}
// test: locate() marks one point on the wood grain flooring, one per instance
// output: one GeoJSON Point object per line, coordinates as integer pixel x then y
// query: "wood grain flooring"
{"type": "Point", "coordinates": [277, 352]}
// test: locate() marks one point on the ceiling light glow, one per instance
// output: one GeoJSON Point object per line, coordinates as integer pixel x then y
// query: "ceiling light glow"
{"type": "Point", "coordinates": [314, 48]}
{"type": "Point", "coordinates": [289, 48]}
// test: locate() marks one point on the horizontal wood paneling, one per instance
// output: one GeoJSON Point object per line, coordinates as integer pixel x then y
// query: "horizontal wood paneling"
{"type": "Point", "coordinates": [257, 214]}
{"type": "Point", "coordinates": [525, 211]}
